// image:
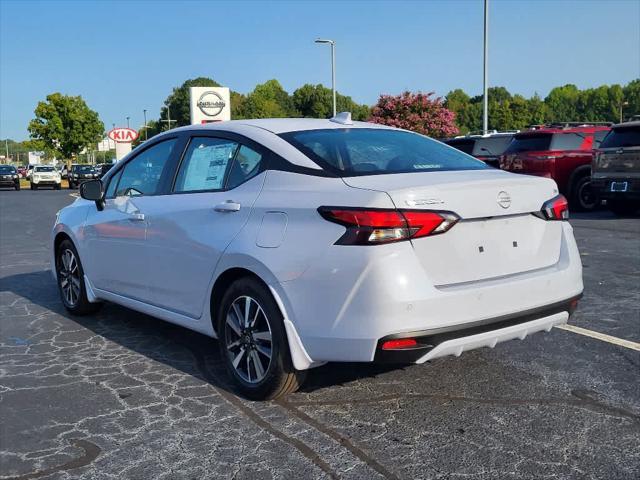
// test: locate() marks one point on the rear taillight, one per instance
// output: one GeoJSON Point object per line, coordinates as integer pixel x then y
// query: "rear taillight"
{"type": "Point", "coordinates": [378, 226]}
{"type": "Point", "coordinates": [555, 209]}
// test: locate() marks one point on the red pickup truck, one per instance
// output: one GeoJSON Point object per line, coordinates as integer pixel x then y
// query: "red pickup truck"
{"type": "Point", "coordinates": [562, 152]}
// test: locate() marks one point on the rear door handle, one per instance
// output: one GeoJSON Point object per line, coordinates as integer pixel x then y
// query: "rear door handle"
{"type": "Point", "coordinates": [228, 206]}
{"type": "Point", "coordinates": [136, 217]}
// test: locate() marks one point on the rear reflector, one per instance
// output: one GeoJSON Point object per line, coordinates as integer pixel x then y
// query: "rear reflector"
{"type": "Point", "coordinates": [376, 226]}
{"type": "Point", "coordinates": [399, 344]}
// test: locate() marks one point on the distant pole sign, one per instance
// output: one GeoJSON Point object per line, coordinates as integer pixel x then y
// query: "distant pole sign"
{"type": "Point", "coordinates": [122, 136]}
{"type": "Point", "coordinates": [209, 104]}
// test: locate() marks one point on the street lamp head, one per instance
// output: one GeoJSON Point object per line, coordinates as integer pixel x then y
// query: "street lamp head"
{"type": "Point", "coordinates": [324, 40]}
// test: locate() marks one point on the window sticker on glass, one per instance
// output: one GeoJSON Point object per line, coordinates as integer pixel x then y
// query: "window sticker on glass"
{"type": "Point", "coordinates": [205, 164]}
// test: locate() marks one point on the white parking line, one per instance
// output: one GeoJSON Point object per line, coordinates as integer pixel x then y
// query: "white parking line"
{"type": "Point", "coordinates": [601, 336]}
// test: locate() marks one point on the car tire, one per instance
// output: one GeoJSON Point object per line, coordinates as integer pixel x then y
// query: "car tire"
{"type": "Point", "coordinates": [623, 207]}
{"type": "Point", "coordinates": [245, 347]}
{"type": "Point", "coordinates": [70, 275]}
{"type": "Point", "coordinates": [70, 185]}
{"type": "Point", "coordinates": [17, 187]}
{"type": "Point", "coordinates": [34, 186]}
{"type": "Point", "coordinates": [583, 198]}
{"type": "Point", "coordinates": [58, 186]}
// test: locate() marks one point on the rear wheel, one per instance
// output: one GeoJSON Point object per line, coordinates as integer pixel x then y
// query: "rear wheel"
{"type": "Point", "coordinates": [253, 342]}
{"type": "Point", "coordinates": [583, 197]}
{"type": "Point", "coordinates": [623, 207]}
{"type": "Point", "coordinates": [71, 280]}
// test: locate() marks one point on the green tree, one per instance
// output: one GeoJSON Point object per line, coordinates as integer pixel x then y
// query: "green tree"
{"type": "Point", "coordinates": [316, 101]}
{"type": "Point", "coordinates": [562, 104]}
{"type": "Point", "coordinates": [268, 100]}
{"type": "Point", "coordinates": [65, 125]}
{"type": "Point", "coordinates": [631, 95]}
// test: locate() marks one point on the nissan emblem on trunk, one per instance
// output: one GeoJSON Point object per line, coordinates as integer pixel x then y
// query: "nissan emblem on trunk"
{"type": "Point", "coordinates": [504, 199]}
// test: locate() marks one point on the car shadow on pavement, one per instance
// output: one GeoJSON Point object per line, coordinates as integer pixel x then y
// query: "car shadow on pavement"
{"type": "Point", "coordinates": [164, 342]}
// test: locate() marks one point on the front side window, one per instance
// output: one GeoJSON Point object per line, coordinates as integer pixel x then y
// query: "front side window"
{"type": "Point", "coordinates": [141, 175]}
{"type": "Point", "coordinates": [492, 145]}
{"type": "Point", "coordinates": [371, 151]}
{"type": "Point", "coordinates": [113, 183]}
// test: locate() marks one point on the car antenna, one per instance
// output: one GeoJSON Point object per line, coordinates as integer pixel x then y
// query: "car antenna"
{"type": "Point", "coordinates": [343, 118]}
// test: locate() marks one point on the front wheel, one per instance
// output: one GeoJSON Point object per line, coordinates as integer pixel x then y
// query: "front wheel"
{"type": "Point", "coordinates": [70, 185]}
{"type": "Point", "coordinates": [17, 186]}
{"type": "Point", "coordinates": [71, 280]}
{"type": "Point", "coordinates": [58, 186]}
{"type": "Point", "coordinates": [253, 342]}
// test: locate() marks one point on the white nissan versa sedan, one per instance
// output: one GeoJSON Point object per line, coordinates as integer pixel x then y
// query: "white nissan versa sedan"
{"type": "Point", "coordinates": [298, 242]}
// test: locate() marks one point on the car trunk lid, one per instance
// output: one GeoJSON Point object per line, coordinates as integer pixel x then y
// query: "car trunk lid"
{"type": "Point", "coordinates": [496, 236]}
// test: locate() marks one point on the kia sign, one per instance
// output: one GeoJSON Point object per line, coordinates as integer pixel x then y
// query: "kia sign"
{"type": "Point", "coordinates": [209, 104]}
{"type": "Point", "coordinates": [123, 135]}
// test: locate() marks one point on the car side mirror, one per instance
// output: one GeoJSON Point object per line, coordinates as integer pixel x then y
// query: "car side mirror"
{"type": "Point", "coordinates": [92, 190]}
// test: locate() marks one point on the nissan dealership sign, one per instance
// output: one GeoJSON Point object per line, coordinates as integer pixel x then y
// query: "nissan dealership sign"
{"type": "Point", "coordinates": [209, 104]}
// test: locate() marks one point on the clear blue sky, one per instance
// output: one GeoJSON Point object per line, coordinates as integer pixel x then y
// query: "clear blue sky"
{"type": "Point", "coordinates": [125, 56]}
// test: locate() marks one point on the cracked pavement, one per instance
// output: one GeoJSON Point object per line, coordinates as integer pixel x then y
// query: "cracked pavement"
{"type": "Point", "coordinates": [122, 395]}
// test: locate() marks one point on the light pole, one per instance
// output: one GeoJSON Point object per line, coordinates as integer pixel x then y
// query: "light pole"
{"type": "Point", "coordinates": [128, 121]}
{"type": "Point", "coordinates": [622, 104]}
{"type": "Point", "coordinates": [145, 124]}
{"type": "Point", "coordinates": [485, 99]}
{"type": "Point", "coordinates": [333, 68]}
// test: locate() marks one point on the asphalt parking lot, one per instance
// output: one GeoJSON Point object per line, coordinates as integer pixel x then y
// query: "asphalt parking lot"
{"type": "Point", "coordinates": [122, 395]}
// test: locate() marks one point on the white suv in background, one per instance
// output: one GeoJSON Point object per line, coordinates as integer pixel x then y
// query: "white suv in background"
{"type": "Point", "coordinates": [298, 242]}
{"type": "Point", "coordinates": [45, 175]}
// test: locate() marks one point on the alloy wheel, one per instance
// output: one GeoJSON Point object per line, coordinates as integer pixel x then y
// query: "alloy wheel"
{"type": "Point", "coordinates": [248, 339]}
{"type": "Point", "coordinates": [69, 275]}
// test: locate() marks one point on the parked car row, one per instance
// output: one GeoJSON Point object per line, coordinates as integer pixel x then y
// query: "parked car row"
{"type": "Point", "coordinates": [568, 153]}
{"type": "Point", "coordinates": [49, 175]}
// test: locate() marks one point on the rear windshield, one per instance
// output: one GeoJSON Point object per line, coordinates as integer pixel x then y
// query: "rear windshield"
{"type": "Point", "coordinates": [44, 169]}
{"type": "Point", "coordinates": [369, 151]}
{"type": "Point", "coordinates": [492, 145]}
{"type": "Point", "coordinates": [463, 144]}
{"type": "Point", "coordinates": [7, 169]}
{"type": "Point", "coordinates": [530, 143]}
{"type": "Point", "coordinates": [622, 137]}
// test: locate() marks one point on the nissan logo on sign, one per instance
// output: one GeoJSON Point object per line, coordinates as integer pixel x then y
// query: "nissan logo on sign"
{"type": "Point", "coordinates": [123, 135]}
{"type": "Point", "coordinates": [210, 103]}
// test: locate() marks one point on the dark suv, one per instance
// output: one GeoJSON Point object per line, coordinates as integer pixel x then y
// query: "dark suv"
{"type": "Point", "coordinates": [487, 148]}
{"type": "Point", "coordinates": [562, 152]}
{"type": "Point", "coordinates": [9, 177]}
{"type": "Point", "coordinates": [616, 168]}
{"type": "Point", "coordinates": [81, 173]}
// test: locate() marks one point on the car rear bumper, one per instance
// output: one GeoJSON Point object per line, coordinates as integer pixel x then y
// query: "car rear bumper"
{"type": "Point", "coordinates": [342, 313]}
{"type": "Point", "coordinates": [602, 185]}
{"type": "Point", "coordinates": [454, 340]}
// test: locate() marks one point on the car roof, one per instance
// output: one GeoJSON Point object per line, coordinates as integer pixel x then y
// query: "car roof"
{"type": "Point", "coordinates": [281, 125]}
{"type": "Point", "coordinates": [576, 129]}
{"type": "Point", "coordinates": [627, 124]}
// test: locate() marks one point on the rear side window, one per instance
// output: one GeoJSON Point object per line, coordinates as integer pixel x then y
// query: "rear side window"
{"type": "Point", "coordinates": [205, 164]}
{"type": "Point", "coordinates": [568, 141]}
{"type": "Point", "coordinates": [530, 143]}
{"type": "Point", "coordinates": [598, 137]}
{"type": "Point", "coordinates": [369, 151]}
{"type": "Point", "coordinates": [622, 137]}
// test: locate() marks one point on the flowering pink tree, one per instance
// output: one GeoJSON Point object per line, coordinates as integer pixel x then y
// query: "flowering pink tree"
{"type": "Point", "coordinates": [417, 112]}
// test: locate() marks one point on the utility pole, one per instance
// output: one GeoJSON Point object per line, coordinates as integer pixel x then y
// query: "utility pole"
{"type": "Point", "coordinates": [168, 120]}
{"type": "Point", "coordinates": [622, 105]}
{"type": "Point", "coordinates": [485, 99]}
{"type": "Point", "coordinates": [333, 68]}
{"type": "Point", "coordinates": [146, 127]}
